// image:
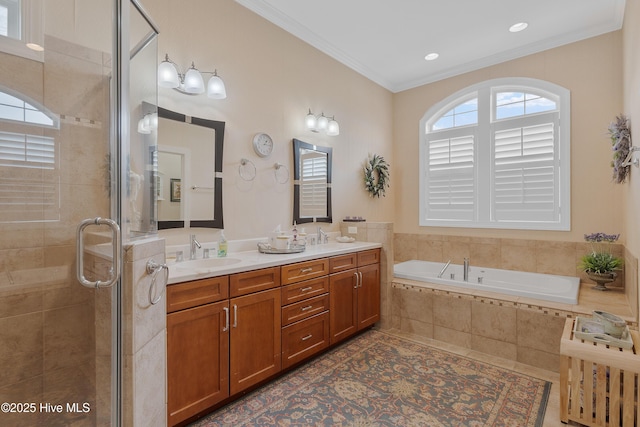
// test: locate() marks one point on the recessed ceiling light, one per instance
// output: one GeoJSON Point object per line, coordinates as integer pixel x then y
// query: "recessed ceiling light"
{"type": "Point", "coordinates": [36, 47]}
{"type": "Point", "coordinates": [431, 56]}
{"type": "Point", "coordinates": [518, 27]}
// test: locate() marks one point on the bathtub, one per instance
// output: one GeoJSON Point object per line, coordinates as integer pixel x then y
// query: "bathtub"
{"type": "Point", "coordinates": [548, 287]}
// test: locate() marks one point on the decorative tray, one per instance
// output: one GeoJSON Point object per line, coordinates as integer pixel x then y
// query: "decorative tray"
{"type": "Point", "coordinates": [266, 248]}
{"type": "Point", "coordinates": [593, 330]}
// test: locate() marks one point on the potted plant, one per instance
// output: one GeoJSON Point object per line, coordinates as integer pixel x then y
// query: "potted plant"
{"type": "Point", "coordinates": [601, 265]}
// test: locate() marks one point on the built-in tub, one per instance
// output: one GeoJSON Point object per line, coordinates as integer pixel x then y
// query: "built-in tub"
{"type": "Point", "coordinates": [548, 287]}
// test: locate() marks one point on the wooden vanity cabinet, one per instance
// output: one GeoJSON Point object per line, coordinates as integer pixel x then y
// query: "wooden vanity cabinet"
{"type": "Point", "coordinates": [226, 334]}
{"type": "Point", "coordinates": [354, 293]}
{"type": "Point", "coordinates": [197, 347]}
{"type": "Point", "coordinates": [255, 338]}
{"type": "Point", "coordinates": [305, 310]}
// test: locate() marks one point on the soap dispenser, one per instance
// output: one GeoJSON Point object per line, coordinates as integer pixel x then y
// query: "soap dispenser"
{"type": "Point", "coordinates": [222, 245]}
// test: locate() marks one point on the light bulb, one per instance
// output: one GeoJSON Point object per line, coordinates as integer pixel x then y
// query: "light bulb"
{"type": "Point", "coordinates": [311, 122]}
{"type": "Point", "coordinates": [215, 87]}
{"type": "Point", "coordinates": [323, 122]}
{"type": "Point", "coordinates": [193, 82]}
{"type": "Point", "coordinates": [167, 74]}
{"type": "Point", "coordinates": [333, 129]}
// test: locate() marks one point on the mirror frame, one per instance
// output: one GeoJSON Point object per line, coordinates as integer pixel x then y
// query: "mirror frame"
{"type": "Point", "coordinates": [297, 146]}
{"type": "Point", "coordinates": [217, 221]}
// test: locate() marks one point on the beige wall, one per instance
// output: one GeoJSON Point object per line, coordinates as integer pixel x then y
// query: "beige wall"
{"type": "Point", "coordinates": [272, 79]}
{"type": "Point", "coordinates": [591, 71]}
{"type": "Point", "coordinates": [631, 99]}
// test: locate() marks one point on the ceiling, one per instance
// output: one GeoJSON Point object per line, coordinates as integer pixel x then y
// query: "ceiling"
{"type": "Point", "coordinates": [386, 41]}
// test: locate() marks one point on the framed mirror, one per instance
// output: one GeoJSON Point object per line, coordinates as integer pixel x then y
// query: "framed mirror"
{"type": "Point", "coordinates": [188, 181]}
{"type": "Point", "coordinates": [311, 182]}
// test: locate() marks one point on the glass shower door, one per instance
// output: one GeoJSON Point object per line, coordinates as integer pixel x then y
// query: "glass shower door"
{"type": "Point", "coordinates": [56, 336]}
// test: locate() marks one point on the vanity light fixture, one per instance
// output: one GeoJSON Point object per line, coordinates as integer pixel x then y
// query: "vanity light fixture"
{"type": "Point", "coordinates": [190, 82]}
{"type": "Point", "coordinates": [148, 123]}
{"type": "Point", "coordinates": [322, 123]}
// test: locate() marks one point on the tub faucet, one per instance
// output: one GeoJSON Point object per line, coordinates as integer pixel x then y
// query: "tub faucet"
{"type": "Point", "coordinates": [444, 269]}
{"type": "Point", "coordinates": [466, 270]}
{"type": "Point", "coordinates": [193, 245]}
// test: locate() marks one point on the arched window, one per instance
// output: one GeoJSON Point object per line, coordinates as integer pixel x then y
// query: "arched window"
{"type": "Point", "coordinates": [27, 143]}
{"type": "Point", "coordinates": [496, 155]}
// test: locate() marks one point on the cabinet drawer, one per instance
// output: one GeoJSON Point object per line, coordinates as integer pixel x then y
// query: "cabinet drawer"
{"type": "Point", "coordinates": [293, 273]}
{"type": "Point", "coordinates": [303, 290]}
{"type": "Point", "coordinates": [303, 309]}
{"type": "Point", "coordinates": [254, 281]}
{"type": "Point", "coordinates": [369, 257]}
{"type": "Point", "coordinates": [343, 262]}
{"type": "Point", "coordinates": [198, 292]}
{"type": "Point", "coordinates": [304, 339]}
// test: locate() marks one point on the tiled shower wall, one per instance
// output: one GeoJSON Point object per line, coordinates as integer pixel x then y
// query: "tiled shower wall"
{"type": "Point", "coordinates": [47, 331]}
{"type": "Point", "coordinates": [537, 256]}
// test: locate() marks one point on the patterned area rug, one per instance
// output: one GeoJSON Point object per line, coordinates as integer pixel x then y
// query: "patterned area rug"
{"type": "Point", "coordinates": [378, 379]}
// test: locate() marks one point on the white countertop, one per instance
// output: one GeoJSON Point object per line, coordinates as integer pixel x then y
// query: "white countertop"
{"type": "Point", "coordinates": [238, 262]}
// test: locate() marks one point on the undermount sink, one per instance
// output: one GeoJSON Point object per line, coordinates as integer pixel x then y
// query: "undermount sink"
{"type": "Point", "coordinates": [206, 263]}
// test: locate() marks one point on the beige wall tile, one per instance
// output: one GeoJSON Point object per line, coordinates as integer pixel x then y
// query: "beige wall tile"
{"type": "Point", "coordinates": [416, 305]}
{"type": "Point", "coordinates": [493, 321]}
{"type": "Point", "coordinates": [518, 257]}
{"type": "Point", "coordinates": [452, 313]}
{"type": "Point", "coordinates": [74, 384]}
{"type": "Point", "coordinates": [494, 347]}
{"type": "Point", "coordinates": [416, 327]}
{"type": "Point", "coordinates": [452, 336]}
{"type": "Point", "coordinates": [405, 247]}
{"type": "Point", "coordinates": [68, 336]}
{"type": "Point", "coordinates": [21, 350]}
{"type": "Point", "coordinates": [556, 258]}
{"type": "Point", "coordinates": [540, 331]}
{"type": "Point", "coordinates": [430, 248]}
{"type": "Point", "coordinates": [29, 390]}
{"type": "Point", "coordinates": [538, 358]}
{"type": "Point", "coordinates": [485, 253]}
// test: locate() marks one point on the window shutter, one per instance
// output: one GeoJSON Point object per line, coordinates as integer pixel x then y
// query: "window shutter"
{"type": "Point", "coordinates": [313, 187]}
{"type": "Point", "coordinates": [24, 195]}
{"type": "Point", "coordinates": [525, 174]}
{"type": "Point", "coordinates": [451, 184]}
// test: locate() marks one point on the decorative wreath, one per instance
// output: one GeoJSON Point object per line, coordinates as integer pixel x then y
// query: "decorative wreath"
{"type": "Point", "coordinates": [376, 176]}
{"type": "Point", "coordinates": [620, 135]}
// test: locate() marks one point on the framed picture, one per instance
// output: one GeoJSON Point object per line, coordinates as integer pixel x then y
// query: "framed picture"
{"type": "Point", "coordinates": [176, 189]}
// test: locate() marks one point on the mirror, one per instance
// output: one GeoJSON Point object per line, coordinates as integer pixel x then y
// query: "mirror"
{"type": "Point", "coordinates": [188, 182]}
{"type": "Point", "coordinates": [312, 182]}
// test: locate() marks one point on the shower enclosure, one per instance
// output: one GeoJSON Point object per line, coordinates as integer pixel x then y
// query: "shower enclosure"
{"type": "Point", "coordinates": [66, 128]}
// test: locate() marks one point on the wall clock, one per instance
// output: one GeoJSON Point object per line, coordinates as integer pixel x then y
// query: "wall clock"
{"type": "Point", "coordinates": [262, 144]}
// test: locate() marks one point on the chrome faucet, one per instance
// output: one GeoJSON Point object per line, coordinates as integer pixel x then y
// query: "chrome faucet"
{"type": "Point", "coordinates": [444, 269]}
{"type": "Point", "coordinates": [466, 270]}
{"type": "Point", "coordinates": [322, 236]}
{"type": "Point", "coordinates": [193, 245]}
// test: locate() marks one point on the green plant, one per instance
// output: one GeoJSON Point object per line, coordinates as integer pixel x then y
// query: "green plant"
{"type": "Point", "coordinates": [600, 260]}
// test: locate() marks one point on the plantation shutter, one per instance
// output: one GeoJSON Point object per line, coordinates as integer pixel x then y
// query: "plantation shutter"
{"type": "Point", "coordinates": [451, 187]}
{"type": "Point", "coordinates": [313, 187]}
{"type": "Point", "coordinates": [24, 194]}
{"type": "Point", "coordinates": [525, 175]}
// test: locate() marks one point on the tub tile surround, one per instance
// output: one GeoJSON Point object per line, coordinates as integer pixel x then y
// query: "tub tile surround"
{"type": "Point", "coordinates": [521, 329]}
{"type": "Point", "coordinates": [536, 256]}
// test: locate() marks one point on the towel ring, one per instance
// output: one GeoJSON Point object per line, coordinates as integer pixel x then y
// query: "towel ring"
{"type": "Point", "coordinates": [281, 178]}
{"type": "Point", "coordinates": [153, 268]}
{"type": "Point", "coordinates": [244, 171]}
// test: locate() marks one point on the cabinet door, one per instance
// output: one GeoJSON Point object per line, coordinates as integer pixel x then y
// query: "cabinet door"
{"type": "Point", "coordinates": [197, 360]}
{"type": "Point", "coordinates": [255, 338]}
{"type": "Point", "coordinates": [369, 295]}
{"type": "Point", "coordinates": [343, 305]}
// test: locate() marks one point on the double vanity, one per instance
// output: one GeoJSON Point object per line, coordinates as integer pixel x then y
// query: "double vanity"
{"type": "Point", "coordinates": [236, 322]}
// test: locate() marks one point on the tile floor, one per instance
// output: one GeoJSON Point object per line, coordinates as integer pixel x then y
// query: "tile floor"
{"type": "Point", "coordinates": [552, 414]}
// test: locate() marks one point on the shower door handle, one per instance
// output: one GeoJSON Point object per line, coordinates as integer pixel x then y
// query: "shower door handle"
{"type": "Point", "coordinates": [114, 272]}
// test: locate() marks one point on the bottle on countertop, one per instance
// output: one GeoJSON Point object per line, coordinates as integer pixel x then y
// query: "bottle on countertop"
{"type": "Point", "coordinates": [222, 245]}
